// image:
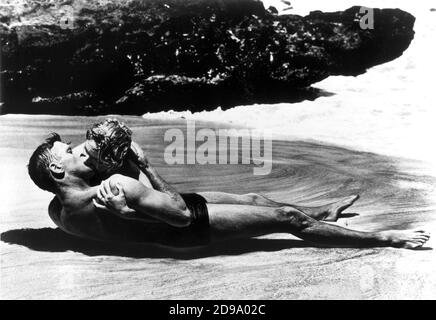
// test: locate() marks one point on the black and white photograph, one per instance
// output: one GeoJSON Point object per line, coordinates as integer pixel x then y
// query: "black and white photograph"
{"type": "Point", "coordinates": [207, 150]}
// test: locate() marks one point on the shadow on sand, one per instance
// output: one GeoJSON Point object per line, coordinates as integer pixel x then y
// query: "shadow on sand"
{"type": "Point", "coordinates": [55, 240]}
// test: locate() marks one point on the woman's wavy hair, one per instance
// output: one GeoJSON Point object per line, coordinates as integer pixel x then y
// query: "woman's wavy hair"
{"type": "Point", "coordinates": [113, 139]}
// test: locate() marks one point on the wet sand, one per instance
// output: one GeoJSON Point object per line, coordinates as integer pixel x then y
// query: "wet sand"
{"type": "Point", "coordinates": [40, 262]}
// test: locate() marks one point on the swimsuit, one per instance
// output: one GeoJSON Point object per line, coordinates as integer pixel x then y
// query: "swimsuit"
{"type": "Point", "coordinates": [199, 226]}
{"type": "Point", "coordinates": [131, 230]}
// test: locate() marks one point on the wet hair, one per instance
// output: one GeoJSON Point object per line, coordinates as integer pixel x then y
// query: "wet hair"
{"type": "Point", "coordinates": [113, 139]}
{"type": "Point", "coordinates": [39, 164]}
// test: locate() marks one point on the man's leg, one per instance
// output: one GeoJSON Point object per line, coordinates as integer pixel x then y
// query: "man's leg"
{"type": "Point", "coordinates": [240, 221]}
{"type": "Point", "coordinates": [329, 212]}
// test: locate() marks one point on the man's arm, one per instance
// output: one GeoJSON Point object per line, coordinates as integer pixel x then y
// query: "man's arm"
{"type": "Point", "coordinates": [156, 180]}
{"type": "Point", "coordinates": [151, 202]}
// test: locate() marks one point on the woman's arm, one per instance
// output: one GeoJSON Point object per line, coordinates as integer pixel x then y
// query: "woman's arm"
{"type": "Point", "coordinates": [145, 201]}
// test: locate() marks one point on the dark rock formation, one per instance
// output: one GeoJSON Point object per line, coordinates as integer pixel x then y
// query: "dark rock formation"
{"type": "Point", "coordinates": [139, 56]}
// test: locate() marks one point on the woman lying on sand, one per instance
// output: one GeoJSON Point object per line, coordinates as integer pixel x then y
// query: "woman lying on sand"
{"type": "Point", "coordinates": [107, 190]}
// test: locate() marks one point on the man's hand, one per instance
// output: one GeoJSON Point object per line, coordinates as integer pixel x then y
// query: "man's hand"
{"type": "Point", "coordinates": [139, 156]}
{"type": "Point", "coordinates": [108, 200]}
{"type": "Point", "coordinates": [147, 202]}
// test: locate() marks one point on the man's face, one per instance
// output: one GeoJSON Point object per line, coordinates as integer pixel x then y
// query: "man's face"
{"type": "Point", "coordinates": [90, 148]}
{"type": "Point", "coordinates": [72, 160]}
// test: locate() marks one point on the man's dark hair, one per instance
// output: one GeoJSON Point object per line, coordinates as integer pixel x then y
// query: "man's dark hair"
{"type": "Point", "coordinates": [39, 164]}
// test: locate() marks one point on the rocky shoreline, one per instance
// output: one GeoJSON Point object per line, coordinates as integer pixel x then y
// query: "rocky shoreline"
{"type": "Point", "coordinates": [98, 57]}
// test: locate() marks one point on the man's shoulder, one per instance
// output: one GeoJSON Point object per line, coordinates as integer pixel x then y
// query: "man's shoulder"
{"type": "Point", "coordinates": [60, 213]}
{"type": "Point", "coordinates": [72, 219]}
{"type": "Point", "coordinates": [55, 210]}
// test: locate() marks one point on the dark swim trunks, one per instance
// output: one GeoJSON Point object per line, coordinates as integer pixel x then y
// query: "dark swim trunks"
{"type": "Point", "coordinates": [131, 230]}
{"type": "Point", "coordinates": [199, 226]}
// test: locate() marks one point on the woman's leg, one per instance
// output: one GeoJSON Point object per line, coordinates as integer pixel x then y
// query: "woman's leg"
{"type": "Point", "coordinates": [329, 212]}
{"type": "Point", "coordinates": [241, 221]}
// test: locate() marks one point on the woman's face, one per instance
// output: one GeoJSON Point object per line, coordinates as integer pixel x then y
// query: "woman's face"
{"type": "Point", "coordinates": [107, 143]}
{"type": "Point", "coordinates": [97, 161]}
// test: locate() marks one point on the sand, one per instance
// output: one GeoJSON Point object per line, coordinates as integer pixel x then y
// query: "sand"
{"type": "Point", "coordinates": [39, 261]}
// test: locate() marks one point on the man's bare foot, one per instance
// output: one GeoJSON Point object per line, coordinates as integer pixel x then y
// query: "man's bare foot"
{"type": "Point", "coordinates": [408, 239]}
{"type": "Point", "coordinates": [331, 212]}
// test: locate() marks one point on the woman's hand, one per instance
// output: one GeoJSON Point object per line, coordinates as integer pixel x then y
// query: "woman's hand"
{"type": "Point", "coordinates": [106, 199]}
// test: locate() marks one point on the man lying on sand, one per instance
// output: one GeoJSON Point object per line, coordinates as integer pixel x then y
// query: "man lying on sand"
{"type": "Point", "coordinates": [134, 204]}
